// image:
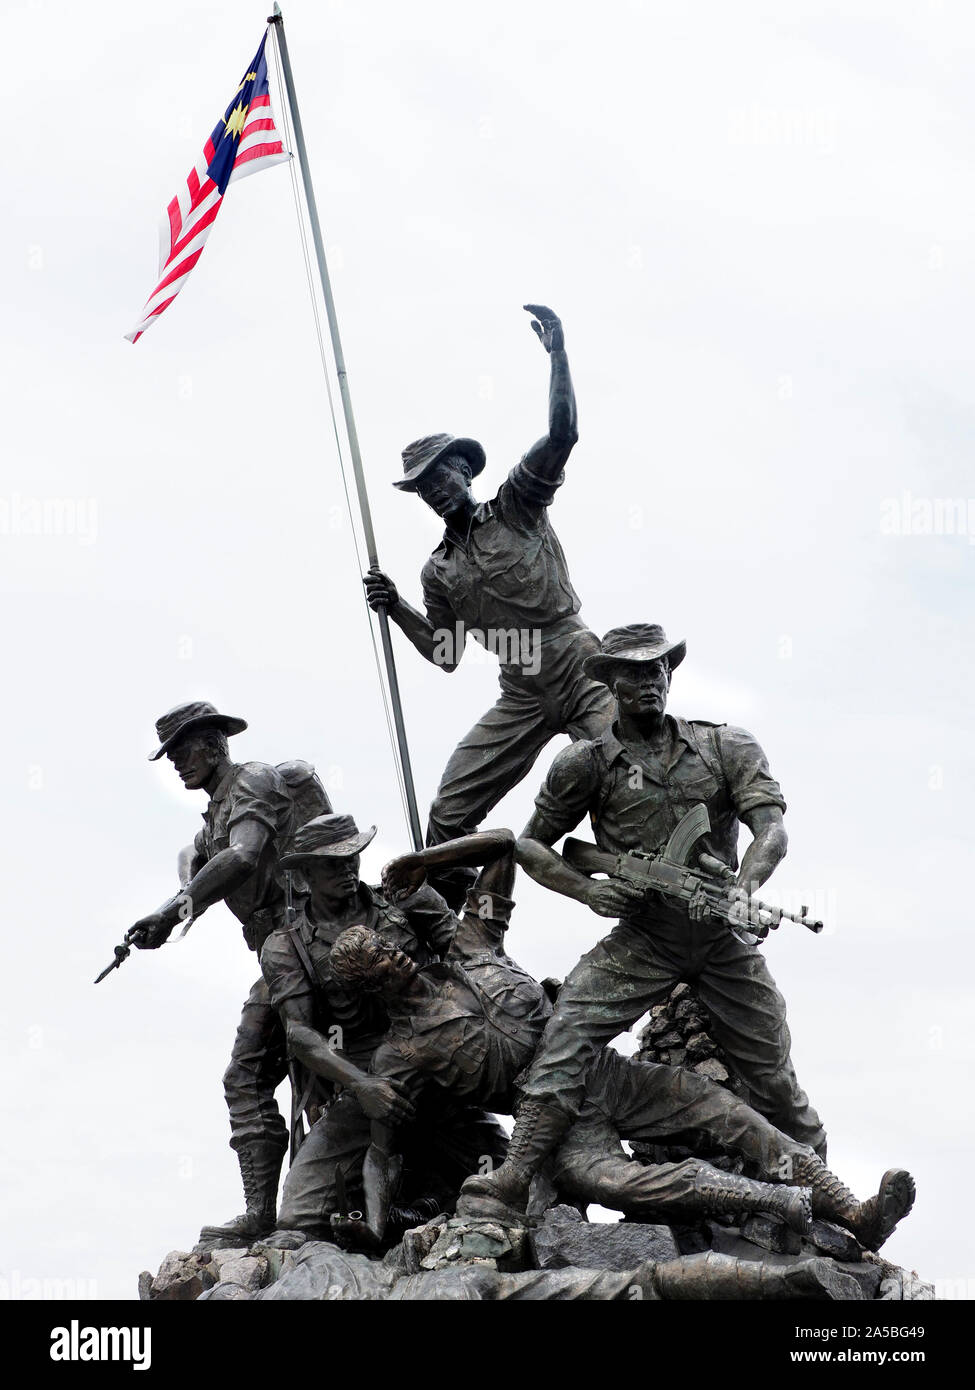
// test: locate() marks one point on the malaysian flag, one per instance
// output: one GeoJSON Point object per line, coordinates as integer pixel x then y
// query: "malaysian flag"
{"type": "Point", "coordinates": [243, 142]}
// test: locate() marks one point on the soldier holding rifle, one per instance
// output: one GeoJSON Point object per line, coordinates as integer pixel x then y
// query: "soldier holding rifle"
{"type": "Point", "coordinates": [636, 782]}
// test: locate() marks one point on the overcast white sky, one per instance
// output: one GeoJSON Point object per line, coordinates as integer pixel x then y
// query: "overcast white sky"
{"type": "Point", "coordinates": [756, 222]}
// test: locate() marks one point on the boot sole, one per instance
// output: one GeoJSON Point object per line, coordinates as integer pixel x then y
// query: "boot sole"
{"type": "Point", "coordinates": [800, 1218]}
{"type": "Point", "coordinates": [217, 1237]}
{"type": "Point", "coordinates": [895, 1198]}
{"type": "Point", "coordinates": [481, 1207]}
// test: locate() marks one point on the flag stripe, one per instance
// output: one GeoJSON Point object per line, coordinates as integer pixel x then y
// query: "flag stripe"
{"type": "Point", "coordinates": [183, 269]}
{"type": "Point", "coordinates": [258, 152]}
{"type": "Point", "coordinates": [254, 144]}
{"type": "Point", "coordinates": [200, 225]}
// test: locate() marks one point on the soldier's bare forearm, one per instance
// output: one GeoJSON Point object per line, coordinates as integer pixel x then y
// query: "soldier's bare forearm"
{"type": "Point", "coordinates": [763, 855]}
{"type": "Point", "coordinates": [491, 851]}
{"type": "Point", "coordinates": [225, 872]}
{"type": "Point", "coordinates": [563, 425]}
{"type": "Point", "coordinates": [548, 868]}
{"type": "Point", "coordinates": [312, 1049]}
{"type": "Point", "coordinates": [436, 646]}
{"type": "Point", "coordinates": [547, 457]}
{"type": "Point", "coordinates": [470, 851]}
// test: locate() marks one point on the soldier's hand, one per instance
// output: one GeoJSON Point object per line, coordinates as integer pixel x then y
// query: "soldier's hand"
{"type": "Point", "coordinates": [610, 899]}
{"type": "Point", "coordinates": [403, 876]}
{"type": "Point", "coordinates": [746, 912]}
{"type": "Point", "coordinates": [548, 327]}
{"type": "Point", "coordinates": [380, 590]}
{"type": "Point", "coordinates": [698, 909]}
{"type": "Point", "coordinates": [384, 1100]}
{"type": "Point", "coordinates": [149, 933]}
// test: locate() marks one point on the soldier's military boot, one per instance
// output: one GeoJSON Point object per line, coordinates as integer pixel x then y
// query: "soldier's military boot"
{"type": "Point", "coordinates": [871, 1221]}
{"type": "Point", "coordinates": [726, 1194]}
{"type": "Point", "coordinates": [260, 1169]}
{"type": "Point", "coordinates": [538, 1130]}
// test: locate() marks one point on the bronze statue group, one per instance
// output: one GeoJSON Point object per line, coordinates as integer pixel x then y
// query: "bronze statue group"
{"type": "Point", "coordinates": [396, 1010]}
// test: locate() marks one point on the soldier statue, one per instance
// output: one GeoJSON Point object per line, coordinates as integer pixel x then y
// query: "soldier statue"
{"type": "Point", "coordinates": [251, 813]}
{"type": "Point", "coordinates": [466, 1029]}
{"type": "Point", "coordinates": [499, 575]}
{"type": "Point", "coordinates": [333, 1033]}
{"type": "Point", "coordinates": [635, 782]}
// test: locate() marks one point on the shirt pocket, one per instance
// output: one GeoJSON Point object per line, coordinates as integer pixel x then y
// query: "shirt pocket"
{"type": "Point", "coordinates": [704, 791]}
{"type": "Point", "coordinates": [701, 788]}
{"type": "Point", "coordinates": [469, 1056]}
{"type": "Point", "coordinates": [507, 576]}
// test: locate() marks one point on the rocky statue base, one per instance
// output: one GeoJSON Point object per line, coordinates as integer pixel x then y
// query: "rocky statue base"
{"type": "Point", "coordinates": [558, 1257]}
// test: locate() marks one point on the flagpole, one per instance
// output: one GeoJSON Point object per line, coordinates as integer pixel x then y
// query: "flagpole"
{"type": "Point", "coordinates": [276, 20]}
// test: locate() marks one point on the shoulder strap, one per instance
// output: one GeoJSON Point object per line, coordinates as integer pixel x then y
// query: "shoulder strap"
{"type": "Point", "coordinates": [306, 960]}
{"type": "Point", "coordinates": [602, 762]}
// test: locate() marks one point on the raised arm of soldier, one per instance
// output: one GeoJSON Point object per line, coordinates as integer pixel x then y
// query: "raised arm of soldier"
{"type": "Point", "coordinates": [440, 469]}
{"type": "Point", "coordinates": [546, 458]}
{"type": "Point", "coordinates": [488, 850]}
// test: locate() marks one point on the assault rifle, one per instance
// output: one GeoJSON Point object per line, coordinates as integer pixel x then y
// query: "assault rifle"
{"type": "Point", "coordinates": [668, 873]}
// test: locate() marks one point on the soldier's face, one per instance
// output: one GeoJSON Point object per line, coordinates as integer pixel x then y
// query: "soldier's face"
{"type": "Point", "coordinates": [333, 879]}
{"type": "Point", "coordinates": [194, 760]}
{"type": "Point", "coordinates": [391, 972]}
{"type": "Point", "coordinates": [446, 487]}
{"type": "Point", "coordinates": [641, 689]}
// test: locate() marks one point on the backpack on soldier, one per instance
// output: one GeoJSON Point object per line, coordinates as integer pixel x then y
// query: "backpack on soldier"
{"type": "Point", "coordinates": [306, 790]}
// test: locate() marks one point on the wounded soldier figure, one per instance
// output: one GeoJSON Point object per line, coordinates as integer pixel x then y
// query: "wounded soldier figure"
{"type": "Point", "coordinates": [464, 1030]}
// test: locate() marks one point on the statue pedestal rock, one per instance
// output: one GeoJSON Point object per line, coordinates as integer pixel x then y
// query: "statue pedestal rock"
{"type": "Point", "coordinates": [559, 1257]}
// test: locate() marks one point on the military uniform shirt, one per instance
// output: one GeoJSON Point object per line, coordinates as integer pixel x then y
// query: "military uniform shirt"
{"type": "Point", "coordinates": [476, 1033]}
{"type": "Point", "coordinates": [422, 926]}
{"type": "Point", "coordinates": [250, 791]}
{"type": "Point", "coordinates": [511, 574]}
{"type": "Point", "coordinates": [635, 806]}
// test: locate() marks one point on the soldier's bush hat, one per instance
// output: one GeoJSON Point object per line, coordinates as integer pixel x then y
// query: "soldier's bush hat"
{"type": "Point", "coordinates": [326, 837]}
{"type": "Point", "coordinates": [636, 643]}
{"type": "Point", "coordinates": [195, 714]}
{"type": "Point", "coordinates": [420, 456]}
